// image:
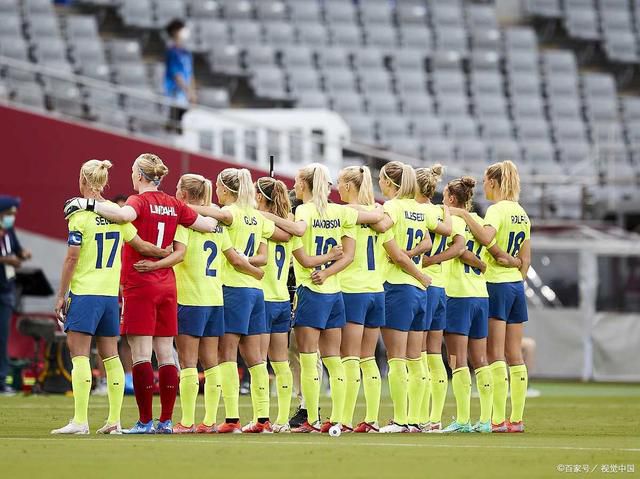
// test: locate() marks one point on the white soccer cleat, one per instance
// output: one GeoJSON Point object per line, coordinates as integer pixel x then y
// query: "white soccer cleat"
{"type": "Point", "coordinates": [114, 428]}
{"type": "Point", "coordinates": [281, 428]}
{"type": "Point", "coordinates": [434, 428]}
{"type": "Point", "coordinates": [393, 428]}
{"type": "Point", "coordinates": [72, 428]}
{"type": "Point", "coordinates": [424, 426]}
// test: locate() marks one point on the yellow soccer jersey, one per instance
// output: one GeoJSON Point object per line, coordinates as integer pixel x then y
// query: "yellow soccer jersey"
{"type": "Point", "coordinates": [366, 273]}
{"type": "Point", "coordinates": [411, 221]}
{"type": "Point", "coordinates": [248, 230]}
{"type": "Point", "coordinates": [276, 271]}
{"type": "Point", "coordinates": [321, 235]}
{"type": "Point", "coordinates": [198, 276]}
{"type": "Point", "coordinates": [100, 242]}
{"type": "Point", "coordinates": [512, 229]}
{"type": "Point", "coordinates": [464, 281]}
{"type": "Point", "coordinates": [436, 271]}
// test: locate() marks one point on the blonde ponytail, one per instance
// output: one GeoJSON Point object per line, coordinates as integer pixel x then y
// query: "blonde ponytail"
{"type": "Point", "coordinates": [360, 177]}
{"type": "Point", "coordinates": [95, 174]}
{"type": "Point", "coordinates": [316, 176]}
{"type": "Point", "coordinates": [408, 184]}
{"type": "Point", "coordinates": [428, 179]}
{"type": "Point", "coordinates": [506, 175]}
{"type": "Point", "coordinates": [151, 168]}
{"type": "Point", "coordinates": [276, 194]}
{"type": "Point", "coordinates": [239, 183]}
{"type": "Point", "coordinates": [197, 188]}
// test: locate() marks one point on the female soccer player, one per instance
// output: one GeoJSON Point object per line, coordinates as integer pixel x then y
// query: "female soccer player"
{"type": "Point", "coordinates": [363, 293]}
{"type": "Point", "coordinates": [244, 309]}
{"type": "Point", "coordinates": [436, 382]}
{"type": "Point", "coordinates": [320, 309]}
{"type": "Point", "coordinates": [91, 276]}
{"type": "Point", "coordinates": [467, 315]}
{"type": "Point", "coordinates": [507, 223]}
{"type": "Point", "coordinates": [405, 306]}
{"type": "Point", "coordinates": [149, 313]}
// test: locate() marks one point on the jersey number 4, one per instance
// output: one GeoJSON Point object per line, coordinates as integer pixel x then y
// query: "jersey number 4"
{"type": "Point", "coordinates": [100, 240]}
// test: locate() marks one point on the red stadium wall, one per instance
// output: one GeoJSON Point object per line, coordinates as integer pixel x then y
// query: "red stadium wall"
{"type": "Point", "coordinates": [42, 156]}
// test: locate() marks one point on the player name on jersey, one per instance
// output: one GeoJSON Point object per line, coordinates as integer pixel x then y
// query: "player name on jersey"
{"type": "Point", "coordinates": [326, 224]}
{"type": "Point", "coordinates": [519, 220]}
{"type": "Point", "coordinates": [250, 220]}
{"type": "Point", "coordinates": [162, 210]}
{"type": "Point", "coordinates": [414, 215]}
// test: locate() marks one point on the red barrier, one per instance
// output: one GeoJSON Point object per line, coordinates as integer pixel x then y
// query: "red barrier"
{"type": "Point", "coordinates": [42, 156]}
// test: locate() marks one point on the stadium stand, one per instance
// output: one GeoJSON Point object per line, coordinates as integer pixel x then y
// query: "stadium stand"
{"type": "Point", "coordinates": [439, 81]}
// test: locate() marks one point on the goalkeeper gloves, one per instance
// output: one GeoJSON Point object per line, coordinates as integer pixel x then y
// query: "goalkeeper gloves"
{"type": "Point", "coordinates": [74, 205]}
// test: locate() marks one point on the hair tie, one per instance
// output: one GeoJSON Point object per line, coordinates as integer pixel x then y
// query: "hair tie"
{"type": "Point", "coordinates": [226, 186]}
{"type": "Point", "coordinates": [384, 172]}
{"type": "Point", "coordinates": [262, 191]}
{"type": "Point", "coordinates": [361, 169]}
{"type": "Point", "coordinates": [155, 180]}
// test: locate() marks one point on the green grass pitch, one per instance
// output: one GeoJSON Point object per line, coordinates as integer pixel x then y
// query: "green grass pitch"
{"type": "Point", "coordinates": [586, 425]}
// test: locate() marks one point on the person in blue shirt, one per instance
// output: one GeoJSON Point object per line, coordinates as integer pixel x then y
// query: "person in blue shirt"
{"type": "Point", "coordinates": [179, 81]}
{"type": "Point", "coordinates": [11, 257]}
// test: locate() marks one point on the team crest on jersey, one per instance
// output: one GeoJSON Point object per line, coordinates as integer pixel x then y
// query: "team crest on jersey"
{"type": "Point", "coordinates": [162, 210]}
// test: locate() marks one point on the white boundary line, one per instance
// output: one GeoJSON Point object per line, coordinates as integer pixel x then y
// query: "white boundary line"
{"type": "Point", "coordinates": [330, 442]}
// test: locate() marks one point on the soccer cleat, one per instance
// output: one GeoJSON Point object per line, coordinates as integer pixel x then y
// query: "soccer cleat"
{"type": "Point", "coordinates": [414, 428]}
{"type": "Point", "coordinates": [180, 429]}
{"type": "Point", "coordinates": [281, 428]}
{"type": "Point", "coordinates": [393, 428]}
{"type": "Point", "coordinates": [346, 429]}
{"type": "Point", "coordinates": [515, 426]}
{"type": "Point", "coordinates": [202, 428]}
{"type": "Point", "coordinates": [299, 418]}
{"type": "Point", "coordinates": [435, 428]}
{"type": "Point", "coordinates": [424, 426]}
{"type": "Point", "coordinates": [164, 427]}
{"type": "Point", "coordinates": [483, 427]}
{"type": "Point", "coordinates": [110, 429]}
{"type": "Point", "coordinates": [141, 428]}
{"type": "Point", "coordinates": [367, 427]}
{"type": "Point", "coordinates": [502, 427]}
{"type": "Point", "coordinates": [230, 428]}
{"type": "Point", "coordinates": [72, 428]}
{"type": "Point", "coordinates": [324, 429]}
{"type": "Point", "coordinates": [455, 426]}
{"type": "Point", "coordinates": [307, 428]}
{"type": "Point", "coordinates": [258, 428]}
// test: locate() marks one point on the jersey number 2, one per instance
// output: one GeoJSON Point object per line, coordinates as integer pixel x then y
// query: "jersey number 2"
{"type": "Point", "coordinates": [213, 252]}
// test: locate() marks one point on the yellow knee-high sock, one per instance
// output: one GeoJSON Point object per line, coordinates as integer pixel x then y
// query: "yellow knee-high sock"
{"type": "Point", "coordinates": [426, 399]}
{"type": "Point", "coordinates": [398, 389]}
{"type": "Point", "coordinates": [310, 384]}
{"type": "Point", "coordinates": [372, 386]}
{"type": "Point", "coordinates": [519, 382]}
{"type": "Point", "coordinates": [461, 384]}
{"type": "Point", "coordinates": [260, 391]}
{"type": "Point", "coordinates": [115, 387]}
{"type": "Point", "coordinates": [439, 385]}
{"type": "Point", "coordinates": [230, 382]}
{"type": "Point", "coordinates": [500, 390]}
{"type": "Point", "coordinates": [284, 384]}
{"type": "Point", "coordinates": [337, 384]}
{"type": "Point", "coordinates": [212, 391]}
{"type": "Point", "coordinates": [484, 383]}
{"type": "Point", "coordinates": [81, 384]}
{"type": "Point", "coordinates": [415, 389]}
{"type": "Point", "coordinates": [351, 366]}
{"type": "Point", "coordinates": [189, 385]}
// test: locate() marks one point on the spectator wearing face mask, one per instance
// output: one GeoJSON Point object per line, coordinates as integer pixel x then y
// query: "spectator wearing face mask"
{"type": "Point", "coordinates": [179, 80]}
{"type": "Point", "coordinates": [11, 257]}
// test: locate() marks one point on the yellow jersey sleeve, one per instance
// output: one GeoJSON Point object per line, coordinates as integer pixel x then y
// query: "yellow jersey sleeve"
{"type": "Point", "coordinates": [226, 240]}
{"type": "Point", "coordinates": [512, 228]}
{"type": "Point", "coordinates": [268, 227]}
{"type": "Point", "coordinates": [493, 217]}
{"type": "Point", "coordinates": [128, 232]}
{"type": "Point", "coordinates": [182, 235]}
{"type": "Point", "coordinates": [349, 222]}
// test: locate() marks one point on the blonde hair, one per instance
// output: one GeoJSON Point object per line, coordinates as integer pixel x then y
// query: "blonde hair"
{"type": "Point", "coordinates": [240, 184]}
{"type": "Point", "coordinates": [197, 188]}
{"type": "Point", "coordinates": [505, 173]}
{"type": "Point", "coordinates": [360, 176]}
{"type": "Point", "coordinates": [462, 190]}
{"type": "Point", "coordinates": [316, 176]}
{"type": "Point", "coordinates": [276, 194]}
{"type": "Point", "coordinates": [428, 179]}
{"type": "Point", "coordinates": [95, 173]}
{"type": "Point", "coordinates": [403, 177]}
{"type": "Point", "coordinates": [151, 168]}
